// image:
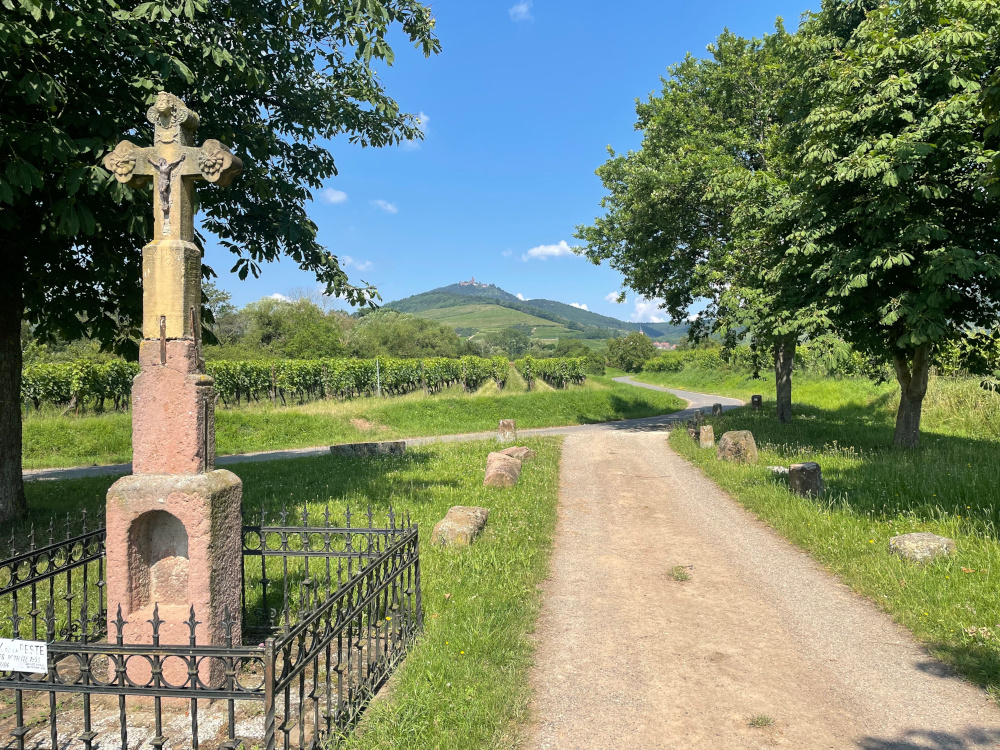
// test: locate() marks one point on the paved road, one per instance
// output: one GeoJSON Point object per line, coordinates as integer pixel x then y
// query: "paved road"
{"type": "Point", "coordinates": [628, 658]}
{"type": "Point", "coordinates": [695, 401]}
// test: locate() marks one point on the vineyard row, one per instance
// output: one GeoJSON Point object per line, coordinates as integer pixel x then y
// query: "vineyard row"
{"type": "Point", "coordinates": [83, 383]}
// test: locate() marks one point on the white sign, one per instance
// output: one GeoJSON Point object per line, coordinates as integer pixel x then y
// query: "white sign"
{"type": "Point", "coordinates": [23, 656]}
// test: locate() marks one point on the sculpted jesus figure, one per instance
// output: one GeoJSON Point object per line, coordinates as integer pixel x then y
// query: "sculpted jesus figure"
{"type": "Point", "coordinates": [164, 169]}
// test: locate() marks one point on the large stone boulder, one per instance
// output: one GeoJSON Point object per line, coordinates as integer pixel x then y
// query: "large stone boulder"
{"type": "Point", "coordinates": [364, 450]}
{"type": "Point", "coordinates": [806, 479]}
{"type": "Point", "coordinates": [501, 470]}
{"type": "Point", "coordinates": [707, 436]}
{"type": "Point", "coordinates": [520, 453]}
{"type": "Point", "coordinates": [921, 546]}
{"type": "Point", "coordinates": [737, 446]}
{"type": "Point", "coordinates": [460, 526]}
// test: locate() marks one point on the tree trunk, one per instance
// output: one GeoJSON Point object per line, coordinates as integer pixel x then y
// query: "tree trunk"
{"type": "Point", "coordinates": [784, 360]}
{"type": "Point", "coordinates": [12, 502]}
{"type": "Point", "coordinates": [911, 372]}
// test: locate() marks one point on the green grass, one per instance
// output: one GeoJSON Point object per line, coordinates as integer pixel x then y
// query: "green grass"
{"type": "Point", "coordinates": [51, 440]}
{"type": "Point", "coordinates": [874, 491]}
{"type": "Point", "coordinates": [464, 684]}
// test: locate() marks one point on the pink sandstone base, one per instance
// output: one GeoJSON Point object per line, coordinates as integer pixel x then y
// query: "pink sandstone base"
{"type": "Point", "coordinates": [173, 411]}
{"type": "Point", "coordinates": [176, 541]}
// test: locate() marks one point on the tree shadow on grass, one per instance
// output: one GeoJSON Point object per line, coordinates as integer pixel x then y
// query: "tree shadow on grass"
{"type": "Point", "coordinates": [947, 475]}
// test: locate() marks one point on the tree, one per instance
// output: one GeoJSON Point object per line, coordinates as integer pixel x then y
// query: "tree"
{"type": "Point", "coordinates": [274, 80]}
{"type": "Point", "coordinates": [630, 353]}
{"type": "Point", "coordinates": [396, 334]}
{"type": "Point", "coordinates": [697, 212]}
{"type": "Point", "coordinates": [895, 226]}
{"type": "Point", "coordinates": [514, 342]}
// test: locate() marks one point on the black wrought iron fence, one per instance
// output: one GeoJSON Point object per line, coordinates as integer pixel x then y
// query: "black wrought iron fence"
{"type": "Point", "coordinates": [329, 610]}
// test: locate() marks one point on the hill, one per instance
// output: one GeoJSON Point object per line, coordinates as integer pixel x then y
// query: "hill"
{"type": "Point", "coordinates": [473, 307]}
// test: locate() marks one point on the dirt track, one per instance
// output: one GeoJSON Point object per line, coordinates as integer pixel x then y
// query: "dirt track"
{"type": "Point", "coordinates": [630, 658]}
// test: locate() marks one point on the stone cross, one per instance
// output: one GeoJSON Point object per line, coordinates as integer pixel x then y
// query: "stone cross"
{"type": "Point", "coordinates": [173, 162]}
{"type": "Point", "coordinates": [174, 527]}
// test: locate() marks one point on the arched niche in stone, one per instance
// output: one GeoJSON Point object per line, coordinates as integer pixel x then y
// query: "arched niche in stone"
{"type": "Point", "coordinates": [158, 560]}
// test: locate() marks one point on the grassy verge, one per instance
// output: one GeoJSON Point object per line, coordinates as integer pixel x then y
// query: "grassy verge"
{"type": "Point", "coordinates": [874, 492]}
{"type": "Point", "coordinates": [53, 440]}
{"type": "Point", "coordinates": [464, 684]}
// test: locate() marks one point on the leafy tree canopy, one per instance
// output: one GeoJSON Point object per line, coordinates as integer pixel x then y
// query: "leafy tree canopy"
{"type": "Point", "coordinates": [631, 352]}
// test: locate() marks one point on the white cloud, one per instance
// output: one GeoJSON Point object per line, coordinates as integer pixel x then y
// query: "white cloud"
{"type": "Point", "coordinates": [578, 306]}
{"type": "Point", "coordinates": [521, 11]}
{"type": "Point", "coordinates": [648, 311]}
{"type": "Point", "coordinates": [522, 297]}
{"type": "Point", "coordinates": [279, 297]}
{"type": "Point", "coordinates": [693, 317]}
{"type": "Point", "coordinates": [389, 208]}
{"type": "Point", "coordinates": [507, 253]}
{"type": "Point", "coordinates": [347, 261]}
{"type": "Point", "coordinates": [333, 196]}
{"type": "Point", "coordinates": [548, 251]}
{"type": "Point", "coordinates": [612, 297]}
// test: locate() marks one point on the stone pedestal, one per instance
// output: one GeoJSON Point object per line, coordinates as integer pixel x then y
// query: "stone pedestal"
{"type": "Point", "coordinates": [173, 411]}
{"type": "Point", "coordinates": [175, 541]}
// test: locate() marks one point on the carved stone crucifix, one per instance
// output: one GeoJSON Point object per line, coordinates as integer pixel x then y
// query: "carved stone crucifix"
{"type": "Point", "coordinates": [172, 158]}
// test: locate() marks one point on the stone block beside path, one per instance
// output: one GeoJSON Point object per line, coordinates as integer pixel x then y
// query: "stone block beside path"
{"type": "Point", "coordinates": [501, 470]}
{"type": "Point", "coordinates": [921, 546]}
{"type": "Point", "coordinates": [364, 450]}
{"type": "Point", "coordinates": [716, 410]}
{"type": "Point", "coordinates": [757, 402]}
{"type": "Point", "coordinates": [806, 479]}
{"type": "Point", "coordinates": [737, 446]}
{"type": "Point", "coordinates": [460, 526]}
{"type": "Point", "coordinates": [707, 436]}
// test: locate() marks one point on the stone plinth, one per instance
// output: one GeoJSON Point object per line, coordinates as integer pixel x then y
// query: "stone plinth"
{"type": "Point", "coordinates": [173, 411]}
{"type": "Point", "coordinates": [171, 288]}
{"type": "Point", "coordinates": [175, 541]}
{"type": "Point", "coordinates": [507, 431]}
{"type": "Point", "coordinates": [806, 479]}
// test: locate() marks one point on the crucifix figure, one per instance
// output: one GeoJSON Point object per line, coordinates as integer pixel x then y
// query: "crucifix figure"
{"type": "Point", "coordinates": [163, 169]}
{"type": "Point", "coordinates": [174, 527]}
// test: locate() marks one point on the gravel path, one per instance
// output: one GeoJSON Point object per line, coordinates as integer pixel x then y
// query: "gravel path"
{"type": "Point", "coordinates": [627, 657]}
{"type": "Point", "coordinates": [695, 401]}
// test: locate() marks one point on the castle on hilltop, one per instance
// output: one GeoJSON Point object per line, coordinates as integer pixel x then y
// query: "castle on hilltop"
{"type": "Point", "coordinates": [472, 282]}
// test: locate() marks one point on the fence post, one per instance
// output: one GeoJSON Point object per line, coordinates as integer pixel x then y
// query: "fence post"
{"type": "Point", "coordinates": [269, 678]}
{"type": "Point", "coordinates": [423, 377]}
{"type": "Point", "coordinates": [274, 388]}
{"type": "Point", "coordinates": [378, 379]}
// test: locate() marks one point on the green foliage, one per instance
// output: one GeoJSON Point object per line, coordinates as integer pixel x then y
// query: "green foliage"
{"type": "Point", "coordinates": [391, 333]}
{"type": "Point", "coordinates": [557, 372]}
{"type": "Point", "coordinates": [893, 221]}
{"type": "Point", "coordinates": [79, 382]}
{"type": "Point", "coordinates": [514, 341]}
{"type": "Point", "coordinates": [277, 82]}
{"type": "Point", "coordinates": [630, 353]}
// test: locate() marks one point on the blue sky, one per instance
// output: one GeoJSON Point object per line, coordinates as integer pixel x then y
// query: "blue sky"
{"type": "Point", "coordinates": [519, 108]}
